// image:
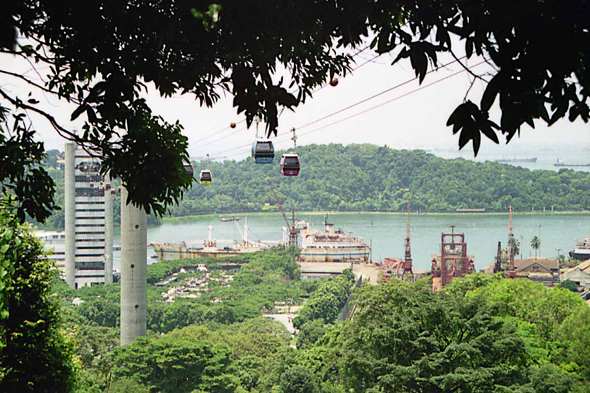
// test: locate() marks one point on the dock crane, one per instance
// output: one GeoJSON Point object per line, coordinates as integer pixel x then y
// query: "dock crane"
{"type": "Point", "coordinates": [293, 231]}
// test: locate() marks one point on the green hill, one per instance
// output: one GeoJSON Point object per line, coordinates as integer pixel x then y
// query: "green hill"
{"type": "Point", "coordinates": [368, 177]}
{"type": "Point", "coordinates": [372, 178]}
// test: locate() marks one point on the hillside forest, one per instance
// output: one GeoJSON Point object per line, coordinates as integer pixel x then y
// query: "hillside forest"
{"type": "Point", "coordinates": [372, 178]}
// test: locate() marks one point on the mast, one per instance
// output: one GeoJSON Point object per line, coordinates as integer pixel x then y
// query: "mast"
{"type": "Point", "coordinates": [246, 230]}
{"type": "Point", "coordinates": [407, 265]}
{"type": "Point", "coordinates": [408, 256]}
{"type": "Point", "coordinates": [511, 271]}
{"type": "Point", "coordinates": [293, 232]}
{"type": "Point", "coordinates": [210, 237]}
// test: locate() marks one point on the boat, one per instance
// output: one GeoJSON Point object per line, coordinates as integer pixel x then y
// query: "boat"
{"type": "Point", "coordinates": [582, 250]}
{"type": "Point", "coordinates": [560, 163]}
{"type": "Point", "coordinates": [331, 245]}
{"type": "Point", "coordinates": [229, 219]}
{"type": "Point", "coordinates": [531, 160]}
{"type": "Point", "coordinates": [210, 248]}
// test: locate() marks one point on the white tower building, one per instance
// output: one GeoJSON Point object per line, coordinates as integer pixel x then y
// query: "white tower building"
{"type": "Point", "coordinates": [85, 219]}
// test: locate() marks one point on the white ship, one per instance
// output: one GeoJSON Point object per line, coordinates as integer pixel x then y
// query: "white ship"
{"type": "Point", "coordinates": [210, 248]}
{"type": "Point", "coordinates": [331, 245]}
{"type": "Point", "coordinates": [582, 250]}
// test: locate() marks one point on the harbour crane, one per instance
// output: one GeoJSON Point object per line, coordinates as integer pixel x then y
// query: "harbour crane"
{"type": "Point", "coordinates": [293, 231]}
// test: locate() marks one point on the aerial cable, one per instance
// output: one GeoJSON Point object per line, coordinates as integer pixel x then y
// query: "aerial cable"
{"type": "Point", "coordinates": [358, 103]}
{"type": "Point", "coordinates": [233, 124]}
{"type": "Point", "coordinates": [223, 137]}
{"type": "Point", "coordinates": [374, 96]}
{"type": "Point", "coordinates": [388, 101]}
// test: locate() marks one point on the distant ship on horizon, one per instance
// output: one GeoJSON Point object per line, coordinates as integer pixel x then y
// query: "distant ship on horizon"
{"type": "Point", "coordinates": [531, 160]}
{"type": "Point", "coordinates": [560, 163]}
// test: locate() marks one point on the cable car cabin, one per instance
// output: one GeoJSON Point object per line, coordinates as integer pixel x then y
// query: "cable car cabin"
{"type": "Point", "coordinates": [263, 151]}
{"type": "Point", "coordinates": [290, 164]}
{"type": "Point", "coordinates": [190, 170]}
{"type": "Point", "coordinates": [205, 177]}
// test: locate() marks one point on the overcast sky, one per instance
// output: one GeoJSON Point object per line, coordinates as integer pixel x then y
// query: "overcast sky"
{"type": "Point", "coordinates": [414, 121]}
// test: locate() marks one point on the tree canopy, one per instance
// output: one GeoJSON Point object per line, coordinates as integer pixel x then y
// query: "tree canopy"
{"type": "Point", "coordinates": [103, 54]}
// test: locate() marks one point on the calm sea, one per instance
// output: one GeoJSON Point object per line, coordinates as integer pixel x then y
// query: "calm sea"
{"type": "Point", "coordinates": [386, 232]}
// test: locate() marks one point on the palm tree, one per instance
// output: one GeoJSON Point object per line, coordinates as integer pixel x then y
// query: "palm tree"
{"type": "Point", "coordinates": [536, 244]}
{"type": "Point", "coordinates": [515, 244]}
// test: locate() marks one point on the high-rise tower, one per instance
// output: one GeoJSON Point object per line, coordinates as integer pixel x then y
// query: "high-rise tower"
{"type": "Point", "coordinates": [86, 215]}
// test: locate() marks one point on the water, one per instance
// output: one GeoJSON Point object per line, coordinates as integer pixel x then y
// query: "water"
{"type": "Point", "coordinates": [387, 231]}
{"type": "Point", "coordinates": [546, 156]}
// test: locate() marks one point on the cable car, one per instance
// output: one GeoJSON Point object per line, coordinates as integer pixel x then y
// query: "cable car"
{"type": "Point", "coordinates": [290, 164]}
{"type": "Point", "coordinates": [205, 177]}
{"type": "Point", "coordinates": [263, 151]}
{"type": "Point", "coordinates": [190, 170]}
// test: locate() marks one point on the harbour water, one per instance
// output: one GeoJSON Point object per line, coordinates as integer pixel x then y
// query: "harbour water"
{"type": "Point", "coordinates": [386, 232]}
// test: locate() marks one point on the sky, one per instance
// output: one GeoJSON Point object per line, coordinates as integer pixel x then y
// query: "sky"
{"type": "Point", "coordinates": [417, 120]}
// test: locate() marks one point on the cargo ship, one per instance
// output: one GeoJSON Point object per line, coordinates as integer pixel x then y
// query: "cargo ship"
{"type": "Point", "coordinates": [331, 245]}
{"type": "Point", "coordinates": [560, 163]}
{"type": "Point", "coordinates": [582, 250]}
{"type": "Point", "coordinates": [531, 160]}
{"type": "Point", "coordinates": [210, 248]}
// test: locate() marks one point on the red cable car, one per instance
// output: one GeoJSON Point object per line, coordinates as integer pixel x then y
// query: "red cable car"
{"type": "Point", "coordinates": [290, 164]}
{"type": "Point", "coordinates": [190, 170]}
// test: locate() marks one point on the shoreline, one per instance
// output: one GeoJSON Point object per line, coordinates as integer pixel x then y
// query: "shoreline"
{"type": "Point", "coordinates": [173, 219]}
{"type": "Point", "coordinates": [240, 215]}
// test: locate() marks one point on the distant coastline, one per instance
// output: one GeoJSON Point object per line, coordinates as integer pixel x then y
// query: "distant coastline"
{"type": "Point", "coordinates": [168, 219]}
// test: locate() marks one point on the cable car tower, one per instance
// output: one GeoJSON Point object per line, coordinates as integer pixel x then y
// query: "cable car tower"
{"type": "Point", "coordinates": [407, 265]}
{"type": "Point", "coordinates": [293, 231]}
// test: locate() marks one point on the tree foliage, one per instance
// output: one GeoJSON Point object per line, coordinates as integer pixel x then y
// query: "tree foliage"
{"type": "Point", "coordinates": [100, 56]}
{"type": "Point", "coordinates": [35, 356]}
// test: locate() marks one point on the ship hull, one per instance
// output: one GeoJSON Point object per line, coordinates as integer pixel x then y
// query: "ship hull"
{"type": "Point", "coordinates": [581, 256]}
{"type": "Point", "coordinates": [517, 160]}
{"type": "Point", "coordinates": [335, 254]}
{"type": "Point", "coordinates": [171, 253]}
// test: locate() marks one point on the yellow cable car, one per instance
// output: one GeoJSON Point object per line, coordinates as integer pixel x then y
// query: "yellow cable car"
{"type": "Point", "coordinates": [205, 177]}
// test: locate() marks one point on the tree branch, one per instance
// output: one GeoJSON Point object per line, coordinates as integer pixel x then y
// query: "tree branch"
{"type": "Point", "coordinates": [467, 68]}
{"type": "Point", "coordinates": [60, 130]}
{"type": "Point", "coordinates": [73, 99]}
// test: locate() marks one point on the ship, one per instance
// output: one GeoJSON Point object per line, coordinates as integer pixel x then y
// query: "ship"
{"type": "Point", "coordinates": [331, 245]}
{"type": "Point", "coordinates": [229, 219]}
{"type": "Point", "coordinates": [210, 248]}
{"type": "Point", "coordinates": [531, 160]}
{"type": "Point", "coordinates": [582, 250]}
{"type": "Point", "coordinates": [560, 163]}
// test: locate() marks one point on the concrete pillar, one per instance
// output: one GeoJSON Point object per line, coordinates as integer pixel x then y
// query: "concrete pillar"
{"type": "Point", "coordinates": [70, 214]}
{"type": "Point", "coordinates": [133, 271]}
{"type": "Point", "coordinates": [108, 232]}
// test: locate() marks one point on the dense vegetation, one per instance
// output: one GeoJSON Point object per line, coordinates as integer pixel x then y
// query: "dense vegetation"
{"type": "Point", "coordinates": [35, 355]}
{"type": "Point", "coordinates": [482, 333]}
{"type": "Point", "coordinates": [368, 178]}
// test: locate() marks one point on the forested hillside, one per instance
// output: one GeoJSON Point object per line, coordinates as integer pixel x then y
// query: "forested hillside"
{"type": "Point", "coordinates": [368, 177]}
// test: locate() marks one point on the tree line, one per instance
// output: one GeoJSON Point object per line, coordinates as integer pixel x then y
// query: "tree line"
{"type": "Point", "coordinates": [372, 178]}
